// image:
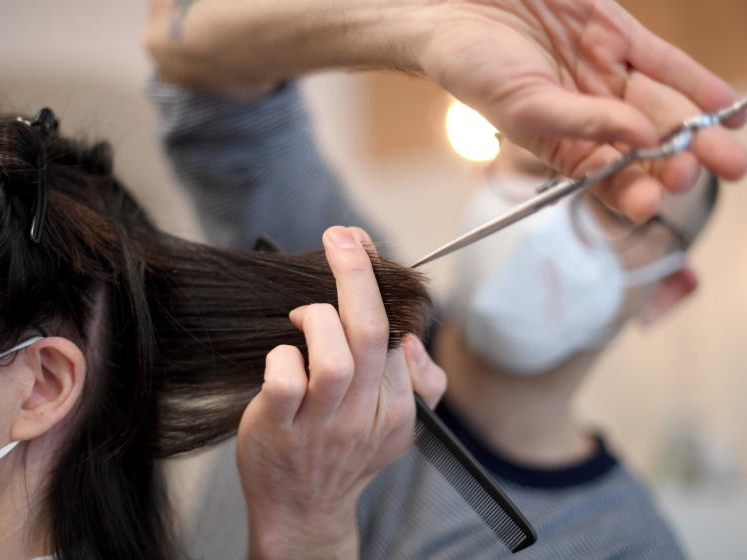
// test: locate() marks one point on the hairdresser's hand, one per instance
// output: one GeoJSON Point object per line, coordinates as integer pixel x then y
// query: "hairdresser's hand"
{"type": "Point", "coordinates": [574, 81]}
{"type": "Point", "coordinates": [311, 440]}
{"type": "Point", "coordinates": [570, 79]}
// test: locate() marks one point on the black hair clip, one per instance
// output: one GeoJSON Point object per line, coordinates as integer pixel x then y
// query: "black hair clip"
{"type": "Point", "coordinates": [47, 123]}
{"type": "Point", "coordinates": [40, 206]}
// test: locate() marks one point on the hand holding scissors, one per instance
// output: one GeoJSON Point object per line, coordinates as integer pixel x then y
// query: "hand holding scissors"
{"type": "Point", "coordinates": [677, 141]}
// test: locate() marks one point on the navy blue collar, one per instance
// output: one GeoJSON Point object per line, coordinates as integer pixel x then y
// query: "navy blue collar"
{"type": "Point", "coordinates": [583, 472]}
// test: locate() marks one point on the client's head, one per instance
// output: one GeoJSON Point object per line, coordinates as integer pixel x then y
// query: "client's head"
{"type": "Point", "coordinates": [120, 344]}
{"type": "Point", "coordinates": [561, 284]}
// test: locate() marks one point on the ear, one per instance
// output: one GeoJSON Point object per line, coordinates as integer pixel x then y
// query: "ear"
{"type": "Point", "coordinates": [55, 369]}
{"type": "Point", "coordinates": [672, 290]}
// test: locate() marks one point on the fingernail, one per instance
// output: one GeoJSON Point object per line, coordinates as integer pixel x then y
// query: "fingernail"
{"type": "Point", "coordinates": [416, 350]}
{"type": "Point", "coordinates": [341, 237]}
{"type": "Point", "coordinates": [363, 240]}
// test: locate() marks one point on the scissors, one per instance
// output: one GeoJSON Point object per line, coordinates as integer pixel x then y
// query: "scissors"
{"type": "Point", "coordinates": [550, 192]}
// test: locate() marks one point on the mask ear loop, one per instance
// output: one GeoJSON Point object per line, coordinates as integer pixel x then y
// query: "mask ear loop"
{"type": "Point", "coordinates": [657, 270]}
{"type": "Point", "coordinates": [8, 448]}
{"type": "Point", "coordinates": [18, 347]}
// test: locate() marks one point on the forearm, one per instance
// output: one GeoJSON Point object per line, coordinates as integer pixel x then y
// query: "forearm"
{"type": "Point", "coordinates": [226, 44]}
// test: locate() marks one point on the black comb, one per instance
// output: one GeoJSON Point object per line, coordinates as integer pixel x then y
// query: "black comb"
{"type": "Point", "coordinates": [440, 447]}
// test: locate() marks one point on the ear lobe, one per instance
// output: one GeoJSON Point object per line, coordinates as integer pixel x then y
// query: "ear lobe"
{"type": "Point", "coordinates": [56, 368]}
{"type": "Point", "coordinates": [670, 292]}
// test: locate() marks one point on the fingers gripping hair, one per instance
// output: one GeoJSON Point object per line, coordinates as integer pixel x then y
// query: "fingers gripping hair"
{"type": "Point", "coordinates": [223, 312]}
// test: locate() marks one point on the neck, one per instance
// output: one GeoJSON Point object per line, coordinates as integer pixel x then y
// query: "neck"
{"type": "Point", "coordinates": [528, 419]}
{"type": "Point", "coordinates": [22, 534]}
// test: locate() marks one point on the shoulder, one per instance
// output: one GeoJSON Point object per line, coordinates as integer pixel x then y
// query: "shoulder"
{"type": "Point", "coordinates": [613, 516]}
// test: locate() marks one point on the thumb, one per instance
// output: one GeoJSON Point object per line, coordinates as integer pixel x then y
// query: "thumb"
{"type": "Point", "coordinates": [428, 380]}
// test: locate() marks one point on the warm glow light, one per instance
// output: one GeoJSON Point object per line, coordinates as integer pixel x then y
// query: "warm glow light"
{"type": "Point", "coordinates": [470, 134]}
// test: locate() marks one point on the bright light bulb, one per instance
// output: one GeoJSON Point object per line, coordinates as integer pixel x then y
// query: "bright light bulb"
{"type": "Point", "coordinates": [470, 134]}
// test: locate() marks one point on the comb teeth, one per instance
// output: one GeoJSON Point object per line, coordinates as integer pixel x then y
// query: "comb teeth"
{"type": "Point", "coordinates": [442, 450]}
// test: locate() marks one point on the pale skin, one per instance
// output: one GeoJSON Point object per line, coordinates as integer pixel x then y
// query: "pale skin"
{"type": "Point", "coordinates": [574, 81]}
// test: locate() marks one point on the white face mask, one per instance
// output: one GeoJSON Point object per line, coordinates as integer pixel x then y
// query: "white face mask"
{"type": "Point", "coordinates": [4, 450]}
{"type": "Point", "coordinates": [530, 297]}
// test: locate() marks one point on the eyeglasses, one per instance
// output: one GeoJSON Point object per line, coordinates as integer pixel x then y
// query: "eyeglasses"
{"type": "Point", "coordinates": [650, 240]}
{"type": "Point", "coordinates": [20, 346]}
{"type": "Point", "coordinates": [623, 230]}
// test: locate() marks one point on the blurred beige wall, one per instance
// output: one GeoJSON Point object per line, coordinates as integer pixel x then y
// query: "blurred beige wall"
{"type": "Point", "coordinates": [710, 30]}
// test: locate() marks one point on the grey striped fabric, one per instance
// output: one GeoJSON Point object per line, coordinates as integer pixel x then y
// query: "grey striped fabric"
{"type": "Point", "coordinates": [253, 169]}
{"type": "Point", "coordinates": [403, 516]}
{"type": "Point", "coordinates": [593, 510]}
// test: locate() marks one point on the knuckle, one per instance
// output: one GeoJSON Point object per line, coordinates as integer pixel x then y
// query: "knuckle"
{"type": "Point", "coordinates": [281, 381]}
{"type": "Point", "coordinates": [334, 373]}
{"type": "Point", "coordinates": [283, 388]}
{"type": "Point", "coordinates": [373, 332]}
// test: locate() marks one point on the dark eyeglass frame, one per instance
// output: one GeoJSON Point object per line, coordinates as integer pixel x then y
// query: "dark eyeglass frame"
{"type": "Point", "coordinates": [634, 231]}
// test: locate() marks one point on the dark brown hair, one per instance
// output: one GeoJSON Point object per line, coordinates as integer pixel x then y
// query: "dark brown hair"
{"type": "Point", "coordinates": [175, 334]}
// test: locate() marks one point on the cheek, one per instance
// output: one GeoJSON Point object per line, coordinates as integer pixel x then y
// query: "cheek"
{"type": "Point", "coordinates": [636, 300]}
{"type": "Point", "coordinates": [8, 407]}
{"type": "Point", "coordinates": [13, 389]}
{"type": "Point", "coordinates": [656, 244]}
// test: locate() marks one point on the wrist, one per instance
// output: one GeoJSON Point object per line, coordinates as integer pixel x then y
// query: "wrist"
{"type": "Point", "coordinates": [284, 535]}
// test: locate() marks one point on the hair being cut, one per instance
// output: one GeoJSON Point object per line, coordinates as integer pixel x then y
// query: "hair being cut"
{"type": "Point", "coordinates": [175, 334]}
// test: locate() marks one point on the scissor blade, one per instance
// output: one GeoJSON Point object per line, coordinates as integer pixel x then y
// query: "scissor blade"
{"type": "Point", "coordinates": [673, 143]}
{"type": "Point", "coordinates": [534, 204]}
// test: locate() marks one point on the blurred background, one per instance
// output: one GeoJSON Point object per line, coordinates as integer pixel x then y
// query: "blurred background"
{"type": "Point", "coordinates": [672, 400]}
